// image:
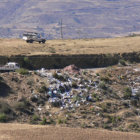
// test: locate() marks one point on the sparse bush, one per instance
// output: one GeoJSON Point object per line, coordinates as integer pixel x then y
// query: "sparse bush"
{"type": "Point", "coordinates": [22, 105]}
{"type": "Point", "coordinates": [134, 126]}
{"type": "Point", "coordinates": [127, 92]}
{"type": "Point", "coordinates": [30, 82]}
{"type": "Point", "coordinates": [4, 108]}
{"type": "Point", "coordinates": [3, 117]}
{"type": "Point", "coordinates": [34, 119]}
{"type": "Point", "coordinates": [97, 74]}
{"type": "Point", "coordinates": [56, 103]}
{"type": "Point", "coordinates": [122, 62]}
{"type": "Point", "coordinates": [44, 121]}
{"type": "Point", "coordinates": [23, 71]}
{"type": "Point", "coordinates": [114, 119]}
{"type": "Point", "coordinates": [95, 97]}
{"type": "Point", "coordinates": [83, 125]}
{"type": "Point", "coordinates": [27, 63]}
{"type": "Point", "coordinates": [105, 79]}
{"type": "Point", "coordinates": [60, 121]}
{"type": "Point", "coordinates": [43, 89]}
{"type": "Point", "coordinates": [106, 126]}
{"type": "Point", "coordinates": [52, 50]}
{"type": "Point", "coordinates": [103, 86]}
{"type": "Point", "coordinates": [74, 85]}
{"type": "Point", "coordinates": [59, 77]}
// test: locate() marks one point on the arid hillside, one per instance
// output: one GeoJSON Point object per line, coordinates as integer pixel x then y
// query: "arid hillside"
{"type": "Point", "coordinates": [10, 47]}
{"type": "Point", "coordinates": [97, 98]}
{"type": "Point", "coordinates": [80, 18]}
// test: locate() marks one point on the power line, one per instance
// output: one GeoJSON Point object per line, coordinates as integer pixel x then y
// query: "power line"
{"type": "Point", "coordinates": [61, 29]}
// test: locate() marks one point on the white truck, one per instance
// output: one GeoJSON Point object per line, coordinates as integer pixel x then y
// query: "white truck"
{"type": "Point", "coordinates": [31, 37]}
{"type": "Point", "coordinates": [10, 66]}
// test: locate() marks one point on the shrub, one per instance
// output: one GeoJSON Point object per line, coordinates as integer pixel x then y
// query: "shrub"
{"type": "Point", "coordinates": [52, 50]}
{"type": "Point", "coordinates": [74, 85]}
{"type": "Point", "coordinates": [95, 97]}
{"type": "Point", "coordinates": [105, 79]}
{"type": "Point", "coordinates": [23, 71]}
{"type": "Point", "coordinates": [60, 121]}
{"type": "Point", "coordinates": [30, 82]}
{"type": "Point", "coordinates": [43, 89]}
{"type": "Point", "coordinates": [44, 121]}
{"type": "Point", "coordinates": [133, 126]}
{"type": "Point", "coordinates": [34, 119]}
{"type": "Point", "coordinates": [22, 105]}
{"type": "Point", "coordinates": [97, 74]}
{"type": "Point", "coordinates": [3, 117]}
{"type": "Point", "coordinates": [4, 107]}
{"type": "Point", "coordinates": [127, 92]}
{"type": "Point", "coordinates": [122, 62]}
{"type": "Point", "coordinates": [27, 63]}
{"type": "Point", "coordinates": [59, 77]}
{"type": "Point", "coordinates": [114, 119]}
{"type": "Point", "coordinates": [102, 85]}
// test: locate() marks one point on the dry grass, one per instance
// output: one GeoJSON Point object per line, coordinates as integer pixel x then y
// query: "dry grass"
{"type": "Point", "coordinates": [28, 132]}
{"type": "Point", "coordinates": [10, 47]}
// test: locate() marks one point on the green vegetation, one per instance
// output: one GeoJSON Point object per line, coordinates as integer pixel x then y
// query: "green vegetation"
{"type": "Point", "coordinates": [44, 121]}
{"type": "Point", "coordinates": [122, 62]}
{"type": "Point", "coordinates": [59, 77]}
{"type": "Point", "coordinates": [105, 79]}
{"type": "Point", "coordinates": [22, 105]}
{"type": "Point", "coordinates": [103, 86]}
{"type": "Point", "coordinates": [3, 117]}
{"type": "Point", "coordinates": [34, 119]}
{"type": "Point", "coordinates": [62, 121]}
{"type": "Point", "coordinates": [127, 92]}
{"type": "Point", "coordinates": [43, 89]}
{"type": "Point", "coordinates": [23, 71]}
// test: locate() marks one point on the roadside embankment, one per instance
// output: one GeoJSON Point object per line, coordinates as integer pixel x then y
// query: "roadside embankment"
{"type": "Point", "coordinates": [60, 61]}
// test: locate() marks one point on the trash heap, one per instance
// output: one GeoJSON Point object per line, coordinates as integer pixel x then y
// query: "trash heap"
{"type": "Point", "coordinates": [68, 89]}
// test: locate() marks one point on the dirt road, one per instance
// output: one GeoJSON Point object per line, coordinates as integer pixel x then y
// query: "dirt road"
{"type": "Point", "coordinates": [30, 132]}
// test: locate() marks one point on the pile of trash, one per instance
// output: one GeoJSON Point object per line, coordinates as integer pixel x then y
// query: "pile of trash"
{"type": "Point", "coordinates": [67, 91]}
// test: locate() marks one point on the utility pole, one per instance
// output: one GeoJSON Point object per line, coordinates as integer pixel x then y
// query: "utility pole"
{"type": "Point", "coordinates": [61, 29]}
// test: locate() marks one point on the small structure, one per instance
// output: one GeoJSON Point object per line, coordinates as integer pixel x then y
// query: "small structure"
{"type": "Point", "coordinates": [31, 37]}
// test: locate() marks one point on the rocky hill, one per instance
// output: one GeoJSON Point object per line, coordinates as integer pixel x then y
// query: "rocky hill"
{"type": "Point", "coordinates": [80, 18]}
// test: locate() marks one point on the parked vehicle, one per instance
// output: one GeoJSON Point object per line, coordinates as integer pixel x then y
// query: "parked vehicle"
{"type": "Point", "coordinates": [31, 37]}
{"type": "Point", "coordinates": [10, 66]}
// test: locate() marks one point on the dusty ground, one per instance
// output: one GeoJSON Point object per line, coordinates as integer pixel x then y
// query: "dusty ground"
{"type": "Point", "coordinates": [28, 132]}
{"type": "Point", "coordinates": [67, 47]}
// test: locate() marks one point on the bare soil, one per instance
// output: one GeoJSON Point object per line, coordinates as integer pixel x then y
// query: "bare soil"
{"type": "Point", "coordinates": [28, 132]}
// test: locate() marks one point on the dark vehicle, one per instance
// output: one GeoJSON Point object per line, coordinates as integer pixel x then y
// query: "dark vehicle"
{"type": "Point", "coordinates": [31, 37]}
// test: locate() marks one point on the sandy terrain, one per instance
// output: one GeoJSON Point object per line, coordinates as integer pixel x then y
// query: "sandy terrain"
{"type": "Point", "coordinates": [28, 132]}
{"type": "Point", "coordinates": [10, 47]}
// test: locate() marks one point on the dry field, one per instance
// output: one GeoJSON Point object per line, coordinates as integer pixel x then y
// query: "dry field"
{"type": "Point", "coordinates": [29, 132]}
{"type": "Point", "coordinates": [10, 47]}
